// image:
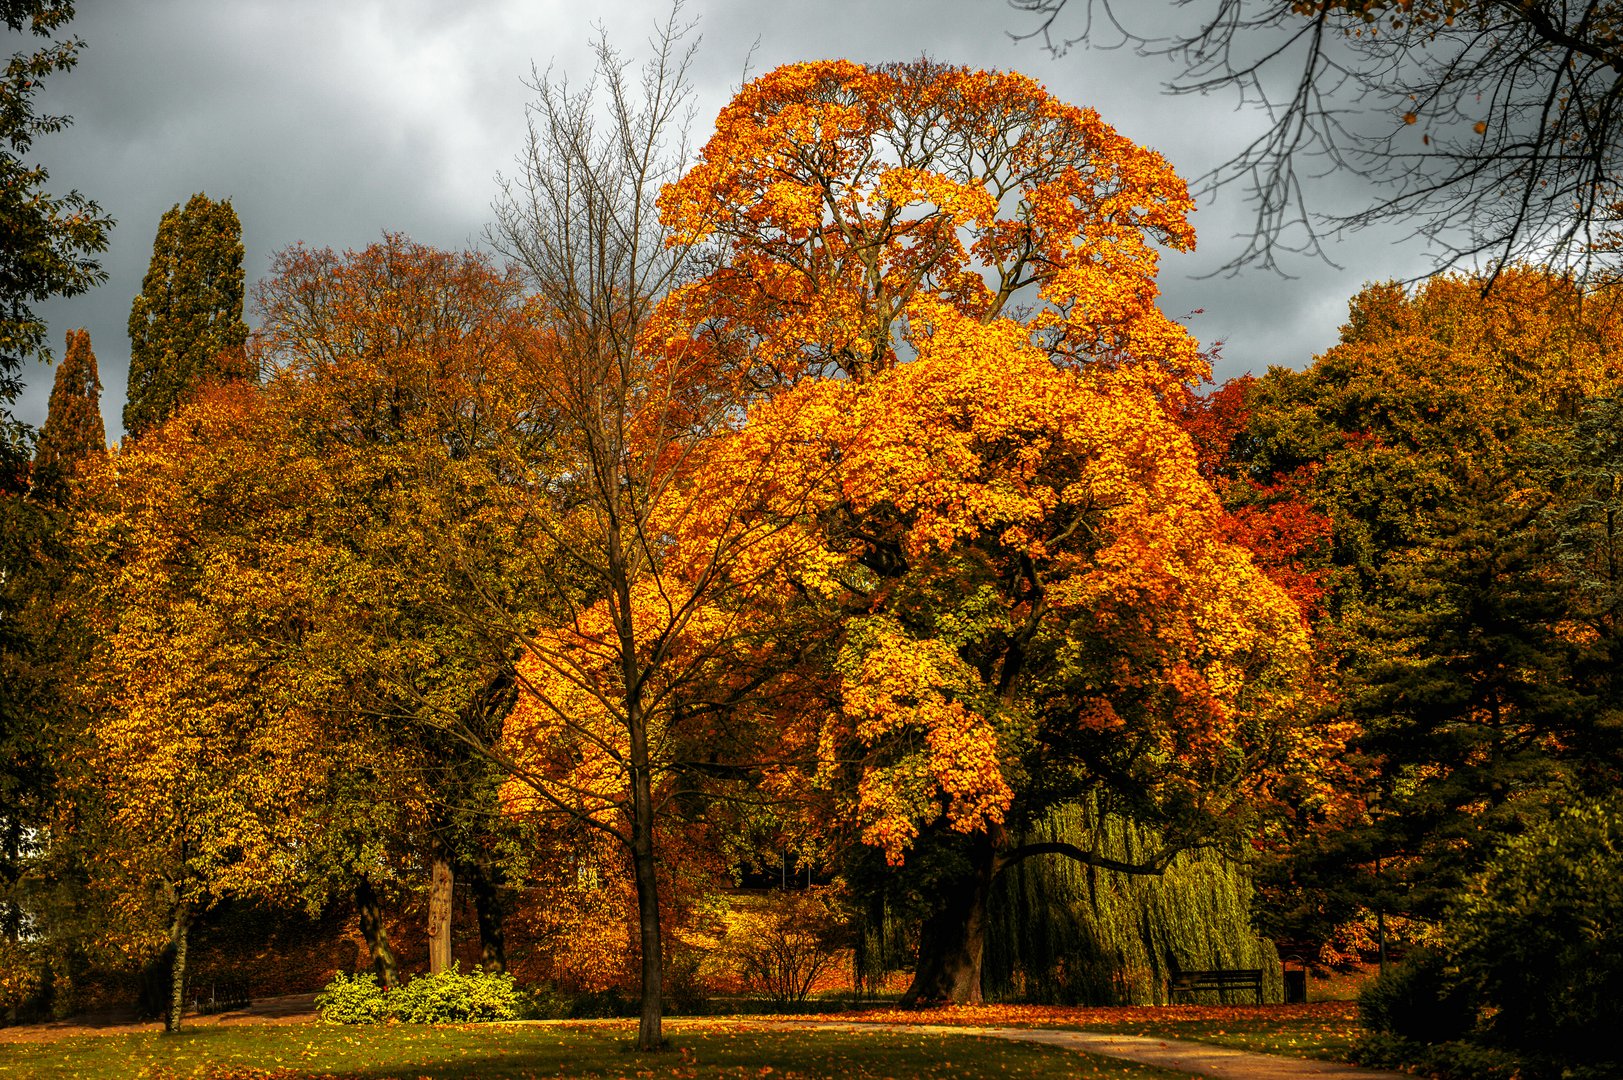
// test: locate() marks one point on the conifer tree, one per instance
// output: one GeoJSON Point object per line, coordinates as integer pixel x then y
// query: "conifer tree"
{"type": "Point", "coordinates": [186, 327]}
{"type": "Point", "coordinates": [73, 431]}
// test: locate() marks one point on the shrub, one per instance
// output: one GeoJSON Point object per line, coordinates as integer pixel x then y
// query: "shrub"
{"type": "Point", "coordinates": [454, 998]}
{"type": "Point", "coordinates": [782, 947]}
{"type": "Point", "coordinates": [1539, 936]}
{"type": "Point", "coordinates": [1446, 1061]}
{"type": "Point", "coordinates": [447, 998]}
{"type": "Point", "coordinates": [352, 999]}
{"type": "Point", "coordinates": [1418, 999]}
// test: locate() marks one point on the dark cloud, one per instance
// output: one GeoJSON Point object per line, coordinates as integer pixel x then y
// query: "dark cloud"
{"type": "Point", "coordinates": [331, 123]}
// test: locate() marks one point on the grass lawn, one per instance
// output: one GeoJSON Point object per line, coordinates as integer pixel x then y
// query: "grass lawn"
{"type": "Point", "coordinates": [292, 1052]}
{"type": "Point", "coordinates": [1324, 1030]}
{"type": "Point", "coordinates": [1327, 1035]}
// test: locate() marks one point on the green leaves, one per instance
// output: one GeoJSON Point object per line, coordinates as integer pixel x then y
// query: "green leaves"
{"type": "Point", "coordinates": [186, 326]}
{"type": "Point", "coordinates": [47, 242]}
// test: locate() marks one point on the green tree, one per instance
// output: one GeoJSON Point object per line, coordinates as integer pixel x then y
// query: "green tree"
{"type": "Point", "coordinates": [42, 645]}
{"type": "Point", "coordinates": [398, 367]}
{"type": "Point", "coordinates": [47, 242]}
{"type": "Point", "coordinates": [186, 327]}
{"type": "Point", "coordinates": [73, 432]}
{"type": "Point", "coordinates": [1468, 695]}
{"type": "Point", "coordinates": [1538, 940]}
{"type": "Point", "coordinates": [1439, 437]}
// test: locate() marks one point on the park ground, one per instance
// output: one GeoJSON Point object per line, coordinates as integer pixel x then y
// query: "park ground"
{"type": "Point", "coordinates": [282, 1040]}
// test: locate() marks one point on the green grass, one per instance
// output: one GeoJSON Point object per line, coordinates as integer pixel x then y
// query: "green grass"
{"type": "Point", "coordinates": [1321, 1038]}
{"type": "Point", "coordinates": [534, 1050]}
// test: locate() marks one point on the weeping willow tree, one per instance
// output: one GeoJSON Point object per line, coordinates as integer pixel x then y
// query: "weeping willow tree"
{"type": "Point", "coordinates": [1064, 933]}
{"type": "Point", "coordinates": [1060, 932]}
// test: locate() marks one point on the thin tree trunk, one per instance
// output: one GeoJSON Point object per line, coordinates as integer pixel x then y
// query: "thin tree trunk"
{"type": "Point", "coordinates": [650, 1035]}
{"type": "Point", "coordinates": [953, 938]}
{"type": "Point", "coordinates": [487, 906]}
{"type": "Point", "coordinates": [439, 917]}
{"type": "Point", "coordinates": [179, 931]}
{"type": "Point", "coordinates": [384, 964]}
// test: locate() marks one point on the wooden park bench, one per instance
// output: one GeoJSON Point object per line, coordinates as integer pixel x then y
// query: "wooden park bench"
{"type": "Point", "coordinates": [1221, 980]}
{"type": "Point", "coordinates": [211, 994]}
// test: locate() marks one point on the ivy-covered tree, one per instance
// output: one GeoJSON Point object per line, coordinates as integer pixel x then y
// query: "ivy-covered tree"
{"type": "Point", "coordinates": [73, 432]}
{"type": "Point", "coordinates": [186, 326]}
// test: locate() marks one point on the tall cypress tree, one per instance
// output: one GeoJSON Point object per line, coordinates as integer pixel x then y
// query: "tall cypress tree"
{"type": "Point", "coordinates": [186, 327]}
{"type": "Point", "coordinates": [73, 431]}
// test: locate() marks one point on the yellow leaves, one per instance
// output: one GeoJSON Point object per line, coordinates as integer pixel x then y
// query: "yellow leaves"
{"type": "Point", "coordinates": [207, 739]}
{"type": "Point", "coordinates": [981, 451]}
{"type": "Point", "coordinates": [913, 696]}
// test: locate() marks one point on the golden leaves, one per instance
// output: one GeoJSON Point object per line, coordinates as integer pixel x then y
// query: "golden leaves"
{"type": "Point", "coordinates": [841, 193]}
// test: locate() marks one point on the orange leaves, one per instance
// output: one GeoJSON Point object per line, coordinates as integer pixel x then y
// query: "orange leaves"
{"type": "Point", "coordinates": [895, 684]}
{"type": "Point", "coordinates": [843, 192]}
{"type": "Point", "coordinates": [395, 342]}
{"type": "Point", "coordinates": [982, 457]}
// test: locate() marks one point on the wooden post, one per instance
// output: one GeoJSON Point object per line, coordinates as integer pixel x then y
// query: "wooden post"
{"type": "Point", "coordinates": [439, 918]}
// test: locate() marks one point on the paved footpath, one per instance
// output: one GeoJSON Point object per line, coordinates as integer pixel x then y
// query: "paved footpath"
{"type": "Point", "coordinates": [1202, 1059]}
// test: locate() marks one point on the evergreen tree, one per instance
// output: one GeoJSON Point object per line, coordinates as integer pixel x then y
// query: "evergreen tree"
{"type": "Point", "coordinates": [186, 327]}
{"type": "Point", "coordinates": [73, 431]}
{"type": "Point", "coordinates": [1469, 701]}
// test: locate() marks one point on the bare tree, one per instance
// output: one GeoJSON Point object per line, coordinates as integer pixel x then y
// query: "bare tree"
{"type": "Point", "coordinates": [656, 569]}
{"type": "Point", "coordinates": [1492, 128]}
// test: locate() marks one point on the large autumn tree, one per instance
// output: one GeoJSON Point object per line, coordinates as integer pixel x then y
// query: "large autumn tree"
{"type": "Point", "coordinates": [398, 367]}
{"type": "Point", "coordinates": [206, 739]}
{"type": "Point", "coordinates": [186, 326]}
{"type": "Point", "coordinates": [939, 285]}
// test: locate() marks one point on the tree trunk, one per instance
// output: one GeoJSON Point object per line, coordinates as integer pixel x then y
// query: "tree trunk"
{"type": "Point", "coordinates": [487, 905]}
{"type": "Point", "coordinates": [649, 1033]}
{"type": "Point", "coordinates": [953, 938]}
{"type": "Point", "coordinates": [179, 931]}
{"type": "Point", "coordinates": [439, 917]}
{"type": "Point", "coordinates": [384, 964]}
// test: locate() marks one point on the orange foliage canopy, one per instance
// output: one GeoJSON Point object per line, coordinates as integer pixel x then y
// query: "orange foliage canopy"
{"type": "Point", "coordinates": [939, 286]}
{"type": "Point", "coordinates": [842, 192]}
{"type": "Point", "coordinates": [1031, 569]}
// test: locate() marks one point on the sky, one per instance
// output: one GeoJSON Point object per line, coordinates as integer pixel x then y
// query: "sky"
{"type": "Point", "coordinates": [331, 122]}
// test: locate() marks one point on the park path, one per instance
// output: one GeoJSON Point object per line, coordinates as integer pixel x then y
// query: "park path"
{"type": "Point", "coordinates": [1202, 1059]}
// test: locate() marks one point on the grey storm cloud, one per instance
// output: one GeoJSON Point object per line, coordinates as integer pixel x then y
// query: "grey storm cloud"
{"type": "Point", "coordinates": [329, 122]}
